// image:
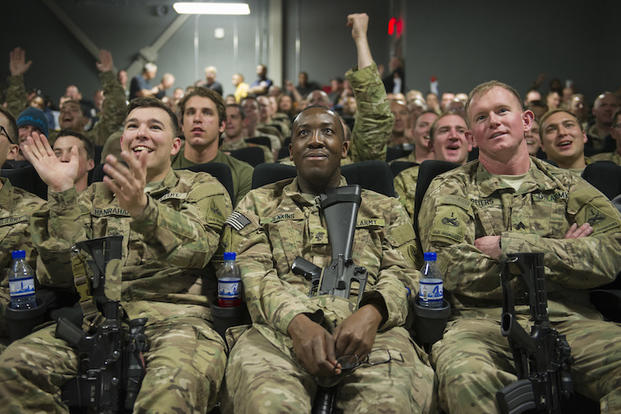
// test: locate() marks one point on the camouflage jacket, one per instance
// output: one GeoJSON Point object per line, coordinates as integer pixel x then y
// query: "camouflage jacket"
{"type": "Point", "coordinates": [241, 171]}
{"type": "Point", "coordinates": [112, 115]}
{"type": "Point", "coordinates": [405, 187]}
{"type": "Point", "coordinates": [165, 252]}
{"type": "Point", "coordinates": [607, 156]}
{"type": "Point", "coordinates": [282, 223]}
{"type": "Point", "coordinates": [374, 120]}
{"type": "Point", "coordinates": [241, 143]}
{"type": "Point", "coordinates": [468, 202]}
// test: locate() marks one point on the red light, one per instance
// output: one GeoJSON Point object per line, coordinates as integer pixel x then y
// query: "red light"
{"type": "Point", "coordinates": [391, 26]}
{"type": "Point", "coordinates": [399, 27]}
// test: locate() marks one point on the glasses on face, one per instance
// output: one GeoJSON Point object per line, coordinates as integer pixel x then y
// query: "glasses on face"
{"type": "Point", "coordinates": [6, 134]}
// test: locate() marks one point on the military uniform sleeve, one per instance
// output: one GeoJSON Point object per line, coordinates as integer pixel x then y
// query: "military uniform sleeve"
{"type": "Point", "coordinates": [16, 96]}
{"type": "Point", "coordinates": [446, 226]}
{"type": "Point", "coordinates": [405, 187]}
{"type": "Point", "coordinates": [374, 120]}
{"type": "Point", "coordinates": [397, 274]}
{"type": "Point", "coordinates": [113, 111]}
{"type": "Point", "coordinates": [270, 300]}
{"type": "Point", "coordinates": [578, 263]}
{"type": "Point", "coordinates": [189, 236]}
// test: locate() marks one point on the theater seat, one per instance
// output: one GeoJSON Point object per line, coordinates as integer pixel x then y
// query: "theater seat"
{"type": "Point", "coordinates": [392, 153]}
{"type": "Point", "coordinates": [252, 155]}
{"type": "Point", "coordinates": [28, 179]}
{"type": "Point", "coordinates": [605, 176]}
{"type": "Point", "coordinates": [265, 141]}
{"type": "Point", "coordinates": [397, 166]}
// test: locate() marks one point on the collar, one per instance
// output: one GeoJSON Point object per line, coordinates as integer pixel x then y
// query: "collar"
{"type": "Point", "coordinates": [292, 191]}
{"type": "Point", "coordinates": [537, 177]}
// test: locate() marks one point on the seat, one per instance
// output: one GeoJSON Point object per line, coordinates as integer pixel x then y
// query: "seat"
{"type": "Point", "coordinates": [427, 171]}
{"type": "Point", "coordinates": [397, 166]}
{"type": "Point", "coordinates": [284, 150]}
{"type": "Point", "coordinates": [605, 176]}
{"type": "Point", "coordinates": [392, 153]}
{"type": "Point", "coordinates": [370, 175]}
{"type": "Point", "coordinates": [252, 155]}
{"type": "Point", "coordinates": [265, 141]}
{"type": "Point", "coordinates": [220, 171]}
{"type": "Point", "coordinates": [27, 179]}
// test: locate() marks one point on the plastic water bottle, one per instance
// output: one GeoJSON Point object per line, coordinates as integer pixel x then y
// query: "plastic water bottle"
{"type": "Point", "coordinates": [229, 282]}
{"type": "Point", "coordinates": [21, 282]}
{"type": "Point", "coordinates": [431, 291]}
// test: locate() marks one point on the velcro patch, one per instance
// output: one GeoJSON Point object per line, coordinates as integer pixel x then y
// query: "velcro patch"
{"type": "Point", "coordinates": [237, 220]}
{"type": "Point", "coordinates": [449, 224]}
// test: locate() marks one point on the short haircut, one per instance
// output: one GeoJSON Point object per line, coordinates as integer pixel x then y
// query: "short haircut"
{"type": "Point", "coordinates": [336, 116]}
{"type": "Point", "coordinates": [485, 87]}
{"type": "Point", "coordinates": [82, 107]}
{"type": "Point", "coordinates": [149, 67]}
{"type": "Point", "coordinates": [12, 130]}
{"type": "Point", "coordinates": [602, 96]}
{"type": "Point", "coordinates": [239, 108]}
{"type": "Point", "coordinates": [150, 102]}
{"type": "Point", "coordinates": [203, 92]}
{"type": "Point", "coordinates": [88, 145]}
{"type": "Point", "coordinates": [548, 114]}
{"type": "Point", "coordinates": [434, 126]}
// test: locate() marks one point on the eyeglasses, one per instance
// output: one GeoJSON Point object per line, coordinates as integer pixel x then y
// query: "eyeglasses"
{"type": "Point", "coordinates": [6, 134]}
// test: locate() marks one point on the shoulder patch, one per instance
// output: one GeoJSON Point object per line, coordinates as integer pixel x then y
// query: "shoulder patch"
{"type": "Point", "coordinates": [237, 220]}
{"type": "Point", "coordinates": [178, 196]}
{"type": "Point", "coordinates": [8, 221]}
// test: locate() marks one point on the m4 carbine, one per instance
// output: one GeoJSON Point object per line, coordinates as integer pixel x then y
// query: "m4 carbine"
{"type": "Point", "coordinates": [542, 359]}
{"type": "Point", "coordinates": [340, 210]}
{"type": "Point", "coordinates": [110, 362]}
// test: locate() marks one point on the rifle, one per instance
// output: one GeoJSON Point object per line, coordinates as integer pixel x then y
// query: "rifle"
{"type": "Point", "coordinates": [110, 363]}
{"type": "Point", "coordinates": [542, 359]}
{"type": "Point", "coordinates": [338, 206]}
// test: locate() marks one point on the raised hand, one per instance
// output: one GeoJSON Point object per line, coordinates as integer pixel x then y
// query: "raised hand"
{"type": "Point", "coordinates": [358, 23]}
{"type": "Point", "coordinates": [128, 182]}
{"type": "Point", "coordinates": [17, 62]}
{"type": "Point", "coordinates": [58, 175]}
{"type": "Point", "coordinates": [105, 63]}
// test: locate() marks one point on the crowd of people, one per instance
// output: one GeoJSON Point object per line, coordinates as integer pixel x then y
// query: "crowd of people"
{"type": "Point", "coordinates": [516, 188]}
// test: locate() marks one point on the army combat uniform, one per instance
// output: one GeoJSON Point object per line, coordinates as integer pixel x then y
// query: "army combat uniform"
{"type": "Point", "coordinates": [164, 255]}
{"type": "Point", "coordinates": [241, 171]}
{"type": "Point", "coordinates": [405, 187]}
{"type": "Point", "coordinates": [607, 156]}
{"type": "Point", "coordinates": [112, 115]}
{"type": "Point", "coordinates": [16, 206]}
{"type": "Point", "coordinates": [273, 225]}
{"type": "Point", "coordinates": [473, 361]}
{"type": "Point", "coordinates": [228, 146]}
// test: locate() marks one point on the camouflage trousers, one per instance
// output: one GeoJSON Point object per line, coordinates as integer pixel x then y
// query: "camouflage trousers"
{"type": "Point", "coordinates": [473, 361]}
{"type": "Point", "coordinates": [262, 379]}
{"type": "Point", "coordinates": [185, 366]}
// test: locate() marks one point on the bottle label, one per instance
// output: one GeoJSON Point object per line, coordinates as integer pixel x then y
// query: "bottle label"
{"type": "Point", "coordinates": [22, 287]}
{"type": "Point", "coordinates": [229, 293]}
{"type": "Point", "coordinates": [431, 291]}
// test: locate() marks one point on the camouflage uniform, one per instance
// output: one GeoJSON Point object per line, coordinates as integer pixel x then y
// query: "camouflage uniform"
{"type": "Point", "coordinates": [16, 206]}
{"type": "Point", "coordinates": [112, 115]}
{"type": "Point", "coordinates": [276, 138]}
{"type": "Point", "coordinates": [241, 171]}
{"type": "Point", "coordinates": [468, 203]}
{"type": "Point", "coordinates": [263, 374]}
{"type": "Point", "coordinates": [405, 187]}
{"type": "Point", "coordinates": [228, 146]}
{"type": "Point", "coordinates": [410, 158]}
{"type": "Point", "coordinates": [607, 156]}
{"type": "Point", "coordinates": [164, 256]}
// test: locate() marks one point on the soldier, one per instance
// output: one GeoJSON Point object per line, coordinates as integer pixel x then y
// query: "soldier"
{"type": "Point", "coordinates": [171, 223]}
{"type": "Point", "coordinates": [563, 139]}
{"type": "Point", "coordinates": [615, 132]}
{"type": "Point", "coordinates": [508, 202]}
{"type": "Point", "coordinates": [72, 115]}
{"type": "Point", "coordinates": [273, 365]}
{"type": "Point", "coordinates": [16, 206]}
{"type": "Point", "coordinates": [62, 147]}
{"type": "Point", "coordinates": [604, 107]}
{"type": "Point", "coordinates": [420, 133]}
{"type": "Point", "coordinates": [234, 133]}
{"type": "Point", "coordinates": [447, 139]}
{"type": "Point", "coordinates": [203, 118]}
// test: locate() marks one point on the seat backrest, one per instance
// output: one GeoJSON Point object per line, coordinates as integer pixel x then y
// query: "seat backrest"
{"type": "Point", "coordinates": [371, 175]}
{"type": "Point", "coordinates": [427, 171]}
{"type": "Point", "coordinates": [397, 166]}
{"type": "Point", "coordinates": [26, 178]}
{"type": "Point", "coordinates": [392, 153]}
{"type": "Point", "coordinates": [605, 176]}
{"type": "Point", "coordinates": [284, 150]}
{"type": "Point", "coordinates": [252, 155]}
{"type": "Point", "coordinates": [220, 171]}
{"type": "Point", "coordinates": [264, 174]}
{"type": "Point", "coordinates": [265, 141]}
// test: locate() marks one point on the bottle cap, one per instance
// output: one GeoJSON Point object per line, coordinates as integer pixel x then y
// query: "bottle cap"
{"type": "Point", "coordinates": [230, 255]}
{"type": "Point", "coordinates": [18, 254]}
{"type": "Point", "coordinates": [431, 256]}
